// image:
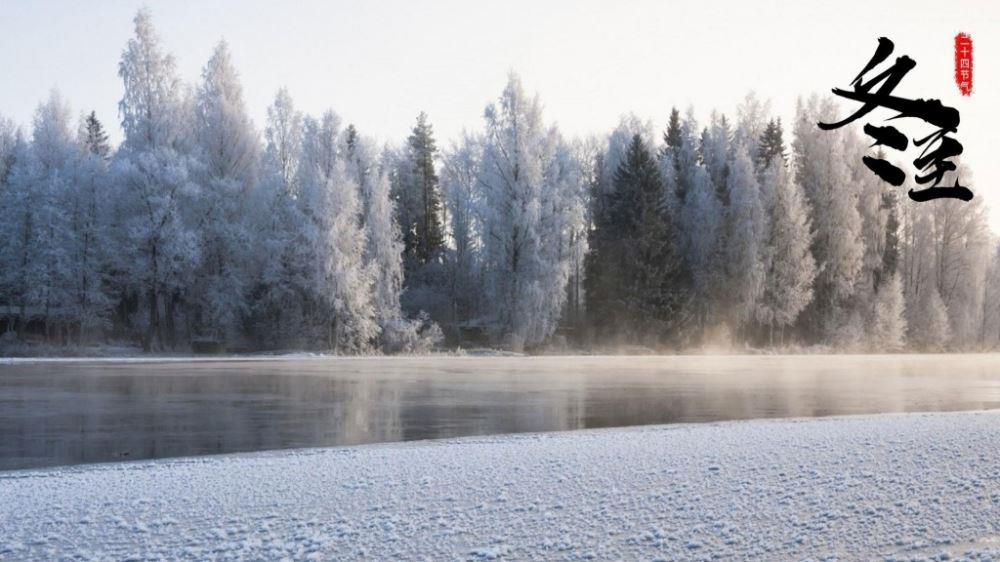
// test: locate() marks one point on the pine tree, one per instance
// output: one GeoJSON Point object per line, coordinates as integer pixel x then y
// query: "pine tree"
{"type": "Point", "coordinates": [635, 259]}
{"type": "Point", "coordinates": [672, 137]}
{"type": "Point", "coordinates": [351, 139]}
{"type": "Point", "coordinates": [95, 139]}
{"type": "Point", "coordinates": [427, 239]}
{"type": "Point", "coordinates": [771, 145]}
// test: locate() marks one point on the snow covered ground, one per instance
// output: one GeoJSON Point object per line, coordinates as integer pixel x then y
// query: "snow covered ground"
{"type": "Point", "coordinates": [912, 486]}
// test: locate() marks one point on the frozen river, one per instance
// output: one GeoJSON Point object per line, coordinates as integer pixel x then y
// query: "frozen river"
{"type": "Point", "coordinates": [58, 413]}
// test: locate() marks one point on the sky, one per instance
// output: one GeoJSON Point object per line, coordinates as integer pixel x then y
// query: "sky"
{"type": "Point", "coordinates": [379, 63]}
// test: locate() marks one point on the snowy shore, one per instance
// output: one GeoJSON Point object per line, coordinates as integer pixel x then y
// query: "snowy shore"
{"type": "Point", "coordinates": [913, 486]}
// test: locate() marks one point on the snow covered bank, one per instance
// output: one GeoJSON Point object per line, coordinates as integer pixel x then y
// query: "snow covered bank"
{"type": "Point", "coordinates": [886, 487]}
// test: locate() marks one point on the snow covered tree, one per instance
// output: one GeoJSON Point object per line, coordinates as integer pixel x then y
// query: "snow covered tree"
{"type": "Point", "coordinates": [717, 152]}
{"type": "Point", "coordinates": [745, 235]}
{"type": "Point", "coordinates": [751, 122]}
{"type": "Point", "coordinates": [789, 269]}
{"type": "Point", "coordinates": [461, 190]}
{"type": "Point", "coordinates": [279, 293]}
{"type": "Point", "coordinates": [155, 181]}
{"type": "Point", "coordinates": [822, 169]}
{"type": "Point", "coordinates": [228, 152]}
{"type": "Point", "coordinates": [928, 327]}
{"type": "Point", "coordinates": [36, 261]}
{"type": "Point", "coordinates": [91, 240]}
{"type": "Point", "coordinates": [341, 283]}
{"type": "Point", "coordinates": [526, 267]}
{"type": "Point", "coordinates": [990, 336]}
{"type": "Point", "coordinates": [284, 138]}
{"type": "Point", "coordinates": [888, 322]}
{"type": "Point", "coordinates": [385, 259]}
{"type": "Point", "coordinates": [226, 135]}
{"type": "Point", "coordinates": [962, 252]}
{"type": "Point", "coordinates": [153, 98]}
{"type": "Point", "coordinates": [703, 222]}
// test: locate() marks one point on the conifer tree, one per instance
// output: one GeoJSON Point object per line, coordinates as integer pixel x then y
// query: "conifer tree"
{"type": "Point", "coordinates": [428, 235]}
{"type": "Point", "coordinates": [95, 139]}
{"type": "Point", "coordinates": [771, 145]}
{"type": "Point", "coordinates": [635, 259]}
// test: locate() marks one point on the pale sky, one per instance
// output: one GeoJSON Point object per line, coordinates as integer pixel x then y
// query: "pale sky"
{"type": "Point", "coordinates": [378, 63]}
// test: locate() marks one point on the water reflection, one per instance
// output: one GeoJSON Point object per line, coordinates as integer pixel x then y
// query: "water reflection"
{"type": "Point", "coordinates": [52, 414]}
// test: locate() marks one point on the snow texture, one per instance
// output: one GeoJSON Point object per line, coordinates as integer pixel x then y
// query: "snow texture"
{"type": "Point", "coordinates": [892, 487]}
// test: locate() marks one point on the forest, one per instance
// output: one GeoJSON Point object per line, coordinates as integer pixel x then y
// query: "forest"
{"type": "Point", "coordinates": [202, 232]}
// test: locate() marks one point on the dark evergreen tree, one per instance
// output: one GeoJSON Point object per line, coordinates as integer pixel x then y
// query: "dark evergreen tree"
{"type": "Point", "coordinates": [634, 262]}
{"type": "Point", "coordinates": [772, 144]}
{"type": "Point", "coordinates": [96, 139]}
{"type": "Point", "coordinates": [351, 140]}
{"type": "Point", "coordinates": [423, 233]}
{"type": "Point", "coordinates": [673, 137]}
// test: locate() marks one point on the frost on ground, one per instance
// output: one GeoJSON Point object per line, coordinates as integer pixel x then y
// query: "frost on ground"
{"type": "Point", "coordinates": [915, 486]}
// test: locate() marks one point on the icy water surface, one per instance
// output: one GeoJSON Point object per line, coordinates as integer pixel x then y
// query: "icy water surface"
{"type": "Point", "coordinates": [67, 413]}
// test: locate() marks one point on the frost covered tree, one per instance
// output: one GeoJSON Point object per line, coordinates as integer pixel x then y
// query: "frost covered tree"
{"type": "Point", "coordinates": [280, 292]}
{"type": "Point", "coordinates": [789, 268]}
{"type": "Point", "coordinates": [461, 190]}
{"type": "Point", "coordinates": [822, 169]}
{"type": "Point", "coordinates": [284, 138]}
{"type": "Point", "coordinates": [154, 176]}
{"type": "Point", "coordinates": [228, 153]}
{"type": "Point", "coordinates": [929, 329]}
{"type": "Point", "coordinates": [36, 254]}
{"type": "Point", "coordinates": [323, 238]}
{"type": "Point", "coordinates": [717, 153]}
{"type": "Point", "coordinates": [385, 260]}
{"type": "Point", "coordinates": [91, 242]}
{"type": "Point", "coordinates": [526, 265]}
{"type": "Point", "coordinates": [341, 283]}
{"type": "Point", "coordinates": [990, 336]}
{"type": "Point", "coordinates": [150, 107]}
{"type": "Point", "coordinates": [888, 322]}
{"type": "Point", "coordinates": [745, 237]}
{"type": "Point", "coordinates": [962, 253]}
{"type": "Point", "coordinates": [703, 220]}
{"type": "Point", "coordinates": [752, 119]}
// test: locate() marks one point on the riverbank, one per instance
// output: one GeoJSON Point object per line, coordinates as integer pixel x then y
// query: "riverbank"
{"type": "Point", "coordinates": [892, 486]}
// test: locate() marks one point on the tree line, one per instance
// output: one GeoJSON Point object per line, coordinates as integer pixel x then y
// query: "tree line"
{"type": "Point", "coordinates": [201, 230]}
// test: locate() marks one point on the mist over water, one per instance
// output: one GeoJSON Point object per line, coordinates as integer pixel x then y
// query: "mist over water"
{"type": "Point", "coordinates": [69, 413]}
